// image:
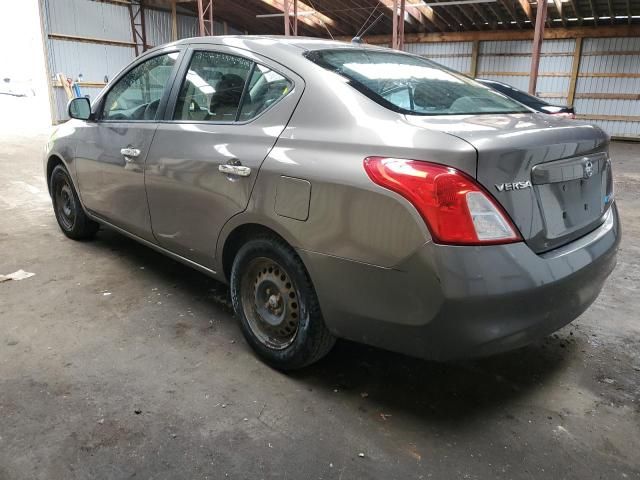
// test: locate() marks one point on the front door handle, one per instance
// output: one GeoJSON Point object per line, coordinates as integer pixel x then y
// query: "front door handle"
{"type": "Point", "coordinates": [129, 153]}
{"type": "Point", "coordinates": [239, 170]}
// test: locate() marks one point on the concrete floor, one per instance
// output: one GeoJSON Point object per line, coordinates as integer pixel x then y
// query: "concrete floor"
{"type": "Point", "coordinates": [116, 362]}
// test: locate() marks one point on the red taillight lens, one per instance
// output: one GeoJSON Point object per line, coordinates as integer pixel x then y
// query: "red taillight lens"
{"type": "Point", "coordinates": [455, 208]}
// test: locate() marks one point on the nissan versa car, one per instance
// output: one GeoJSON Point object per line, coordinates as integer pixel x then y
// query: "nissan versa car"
{"type": "Point", "coordinates": [345, 191]}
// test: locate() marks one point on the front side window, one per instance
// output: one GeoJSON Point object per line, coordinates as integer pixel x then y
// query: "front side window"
{"type": "Point", "coordinates": [137, 94]}
{"type": "Point", "coordinates": [212, 89]}
{"type": "Point", "coordinates": [412, 85]}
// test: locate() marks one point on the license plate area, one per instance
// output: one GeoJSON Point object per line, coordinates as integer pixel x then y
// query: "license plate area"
{"type": "Point", "coordinates": [573, 193]}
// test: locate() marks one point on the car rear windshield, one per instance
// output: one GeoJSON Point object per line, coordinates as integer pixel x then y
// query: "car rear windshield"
{"type": "Point", "coordinates": [517, 95]}
{"type": "Point", "coordinates": [412, 85]}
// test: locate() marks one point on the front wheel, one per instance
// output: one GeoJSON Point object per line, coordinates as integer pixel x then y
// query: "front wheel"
{"type": "Point", "coordinates": [274, 298]}
{"type": "Point", "coordinates": [70, 215]}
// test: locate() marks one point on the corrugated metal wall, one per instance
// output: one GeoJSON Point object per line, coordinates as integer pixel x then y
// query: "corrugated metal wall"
{"type": "Point", "coordinates": [613, 56]}
{"type": "Point", "coordinates": [510, 61]}
{"type": "Point", "coordinates": [455, 55]}
{"type": "Point", "coordinates": [96, 62]}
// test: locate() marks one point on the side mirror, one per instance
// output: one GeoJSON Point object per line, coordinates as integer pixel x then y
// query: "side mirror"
{"type": "Point", "coordinates": [79, 108]}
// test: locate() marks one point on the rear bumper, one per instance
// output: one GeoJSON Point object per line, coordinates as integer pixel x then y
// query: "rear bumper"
{"type": "Point", "coordinates": [449, 302]}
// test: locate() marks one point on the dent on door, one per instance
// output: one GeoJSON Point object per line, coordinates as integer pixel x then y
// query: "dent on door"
{"type": "Point", "coordinates": [190, 196]}
{"type": "Point", "coordinates": [112, 183]}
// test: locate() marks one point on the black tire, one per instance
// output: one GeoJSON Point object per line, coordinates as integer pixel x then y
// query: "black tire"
{"type": "Point", "coordinates": [72, 219]}
{"type": "Point", "coordinates": [295, 300]}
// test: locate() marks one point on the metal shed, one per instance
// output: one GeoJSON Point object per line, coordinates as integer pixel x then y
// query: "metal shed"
{"type": "Point", "coordinates": [589, 56]}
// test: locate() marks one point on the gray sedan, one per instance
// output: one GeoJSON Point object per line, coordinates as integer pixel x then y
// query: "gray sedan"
{"type": "Point", "coordinates": [345, 191]}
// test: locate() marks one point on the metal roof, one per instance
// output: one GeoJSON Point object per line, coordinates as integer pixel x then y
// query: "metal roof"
{"type": "Point", "coordinates": [348, 17]}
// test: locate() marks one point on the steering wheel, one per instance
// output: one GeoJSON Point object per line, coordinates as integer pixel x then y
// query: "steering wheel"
{"type": "Point", "coordinates": [150, 110]}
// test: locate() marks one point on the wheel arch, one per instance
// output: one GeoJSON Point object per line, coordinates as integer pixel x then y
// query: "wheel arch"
{"type": "Point", "coordinates": [53, 160]}
{"type": "Point", "coordinates": [237, 237]}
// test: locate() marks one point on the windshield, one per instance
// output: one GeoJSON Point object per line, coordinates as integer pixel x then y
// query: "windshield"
{"type": "Point", "coordinates": [412, 85]}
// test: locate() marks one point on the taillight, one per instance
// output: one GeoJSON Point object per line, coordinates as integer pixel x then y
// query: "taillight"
{"type": "Point", "coordinates": [455, 208]}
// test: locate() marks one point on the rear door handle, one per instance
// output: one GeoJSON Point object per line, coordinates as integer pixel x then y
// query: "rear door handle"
{"type": "Point", "coordinates": [238, 170]}
{"type": "Point", "coordinates": [130, 152]}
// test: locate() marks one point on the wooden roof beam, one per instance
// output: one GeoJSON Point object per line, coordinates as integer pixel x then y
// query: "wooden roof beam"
{"type": "Point", "coordinates": [489, 21]}
{"type": "Point", "coordinates": [470, 17]}
{"type": "Point", "coordinates": [611, 13]}
{"type": "Point", "coordinates": [594, 13]}
{"type": "Point", "coordinates": [558, 4]}
{"type": "Point", "coordinates": [505, 23]}
{"type": "Point", "coordinates": [427, 13]}
{"type": "Point", "coordinates": [509, 7]}
{"type": "Point", "coordinates": [355, 17]}
{"type": "Point", "coordinates": [245, 19]}
{"type": "Point", "coordinates": [413, 14]}
{"type": "Point", "coordinates": [574, 6]}
{"type": "Point", "coordinates": [559, 33]}
{"type": "Point", "coordinates": [458, 19]}
{"type": "Point", "coordinates": [317, 20]}
{"type": "Point", "coordinates": [434, 16]}
{"type": "Point", "coordinates": [528, 11]}
{"type": "Point", "coordinates": [447, 18]}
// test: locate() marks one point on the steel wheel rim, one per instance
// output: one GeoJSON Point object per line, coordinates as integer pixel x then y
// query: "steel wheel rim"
{"type": "Point", "coordinates": [65, 205]}
{"type": "Point", "coordinates": [270, 303]}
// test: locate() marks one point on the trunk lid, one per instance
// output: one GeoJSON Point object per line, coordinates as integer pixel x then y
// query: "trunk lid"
{"type": "Point", "coordinates": [552, 176]}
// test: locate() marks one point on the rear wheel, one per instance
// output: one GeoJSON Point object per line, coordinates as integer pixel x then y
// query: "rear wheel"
{"type": "Point", "coordinates": [70, 215]}
{"type": "Point", "coordinates": [274, 298]}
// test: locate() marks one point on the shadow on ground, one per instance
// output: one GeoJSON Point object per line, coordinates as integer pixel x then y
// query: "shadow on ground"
{"type": "Point", "coordinates": [431, 391]}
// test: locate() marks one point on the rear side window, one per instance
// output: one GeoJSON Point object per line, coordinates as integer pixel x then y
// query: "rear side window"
{"type": "Point", "coordinates": [412, 85]}
{"type": "Point", "coordinates": [212, 89]}
{"type": "Point", "coordinates": [265, 89]}
{"type": "Point", "coordinates": [226, 88]}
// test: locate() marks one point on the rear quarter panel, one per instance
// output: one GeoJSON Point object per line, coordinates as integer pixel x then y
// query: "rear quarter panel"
{"type": "Point", "coordinates": [333, 129]}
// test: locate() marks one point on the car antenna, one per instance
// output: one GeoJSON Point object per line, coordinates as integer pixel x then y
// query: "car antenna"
{"type": "Point", "coordinates": [358, 38]}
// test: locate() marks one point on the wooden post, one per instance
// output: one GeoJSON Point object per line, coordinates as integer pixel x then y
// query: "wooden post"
{"type": "Point", "coordinates": [174, 21]}
{"type": "Point", "coordinates": [401, 25]}
{"type": "Point", "coordinates": [205, 14]}
{"type": "Point", "coordinates": [575, 70]}
{"type": "Point", "coordinates": [397, 39]}
{"type": "Point", "coordinates": [475, 49]}
{"type": "Point", "coordinates": [65, 85]}
{"type": "Point", "coordinates": [394, 36]}
{"type": "Point", "coordinates": [211, 32]}
{"type": "Point", "coordinates": [138, 27]}
{"type": "Point", "coordinates": [287, 23]}
{"type": "Point", "coordinates": [541, 17]}
{"type": "Point", "coordinates": [203, 32]}
{"type": "Point", "coordinates": [295, 17]}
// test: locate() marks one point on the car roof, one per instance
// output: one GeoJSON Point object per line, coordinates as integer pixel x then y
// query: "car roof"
{"type": "Point", "coordinates": [484, 80]}
{"type": "Point", "coordinates": [286, 50]}
{"type": "Point", "coordinates": [272, 45]}
{"type": "Point", "coordinates": [274, 41]}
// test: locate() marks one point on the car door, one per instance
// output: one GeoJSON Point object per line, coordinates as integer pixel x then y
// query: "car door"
{"type": "Point", "coordinates": [112, 149]}
{"type": "Point", "coordinates": [226, 111]}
